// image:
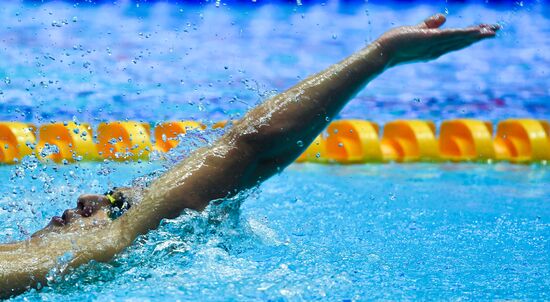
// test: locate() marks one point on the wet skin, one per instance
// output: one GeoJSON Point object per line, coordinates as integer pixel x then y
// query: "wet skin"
{"type": "Point", "coordinates": [421, 42]}
{"type": "Point", "coordinates": [91, 211]}
{"type": "Point", "coordinates": [258, 146]}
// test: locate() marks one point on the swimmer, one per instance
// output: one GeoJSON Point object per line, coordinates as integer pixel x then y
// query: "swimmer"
{"type": "Point", "coordinates": [256, 147]}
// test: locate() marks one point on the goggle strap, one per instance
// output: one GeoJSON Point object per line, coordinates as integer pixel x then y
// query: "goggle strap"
{"type": "Point", "coordinates": [111, 198]}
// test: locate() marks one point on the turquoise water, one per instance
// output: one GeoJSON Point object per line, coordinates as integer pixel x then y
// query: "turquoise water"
{"type": "Point", "coordinates": [420, 231]}
{"type": "Point", "coordinates": [398, 232]}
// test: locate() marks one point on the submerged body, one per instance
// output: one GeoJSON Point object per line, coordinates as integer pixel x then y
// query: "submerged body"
{"type": "Point", "coordinates": [258, 146]}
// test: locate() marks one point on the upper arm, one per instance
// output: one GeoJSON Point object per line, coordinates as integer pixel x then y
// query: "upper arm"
{"type": "Point", "coordinates": [221, 170]}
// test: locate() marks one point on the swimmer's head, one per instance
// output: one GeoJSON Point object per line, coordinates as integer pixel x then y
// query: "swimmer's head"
{"type": "Point", "coordinates": [120, 202]}
{"type": "Point", "coordinates": [92, 210]}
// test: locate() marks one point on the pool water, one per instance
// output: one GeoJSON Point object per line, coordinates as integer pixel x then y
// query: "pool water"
{"type": "Point", "coordinates": [397, 232]}
{"type": "Point", "coordinates": [421, 231]}
{"type": "Point", "coordinates": [157, 62]}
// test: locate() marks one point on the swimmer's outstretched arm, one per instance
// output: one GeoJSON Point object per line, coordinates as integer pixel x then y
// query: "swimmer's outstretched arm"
{"type": "Point", "coordinates": [262, 143]}
{"type": "Point", "coordinates": [275, 133]}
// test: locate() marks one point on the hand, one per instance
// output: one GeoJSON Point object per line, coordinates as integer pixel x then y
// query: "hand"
{"type": "Point", "coordinates": [426, 41]}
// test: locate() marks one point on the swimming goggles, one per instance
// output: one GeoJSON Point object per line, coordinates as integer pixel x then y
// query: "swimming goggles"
{"type": "Point", "coordinates": [119, 203]}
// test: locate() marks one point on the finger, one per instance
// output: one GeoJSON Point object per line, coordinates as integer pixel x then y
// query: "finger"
{"type": "Point", "coordinates": [434, 21]}
{"type": "Point", "coordinates": [494, 27]}
{"type": "Point", "coordinates": [466, 33]}
{"type": "Point", "coordinates": [486, 32]}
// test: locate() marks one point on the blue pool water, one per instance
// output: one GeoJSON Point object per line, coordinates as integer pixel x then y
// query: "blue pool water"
{"type": "Point", "coordinates": [422, 231]}
{"type": "Point", "coordinates": [398, 232]}
{"type": "Point", "coordinates": [172, 61]}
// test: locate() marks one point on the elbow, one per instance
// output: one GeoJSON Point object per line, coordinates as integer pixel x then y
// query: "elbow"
{"type": "Point", "coordinates": [262, 141]}
{"type": "Point", "coordinates": [272, 149]}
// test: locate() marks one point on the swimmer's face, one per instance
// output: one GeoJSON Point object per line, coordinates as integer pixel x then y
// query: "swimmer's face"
{"type": "Point", "coordinates": [91, 211]}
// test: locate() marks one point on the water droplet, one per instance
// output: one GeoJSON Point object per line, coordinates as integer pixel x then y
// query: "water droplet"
{"type": "Point", "coordinates": [300, 144]}
{"type": "Point", "coordinates": [48, 150]}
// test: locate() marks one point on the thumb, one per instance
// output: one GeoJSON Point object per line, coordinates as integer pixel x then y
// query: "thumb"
{"type": "Point", "coordinates": [434, 21]}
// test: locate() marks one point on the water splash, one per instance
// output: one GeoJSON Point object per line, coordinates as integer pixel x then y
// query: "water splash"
{"type": "Point", "coordinates": [218, 230]}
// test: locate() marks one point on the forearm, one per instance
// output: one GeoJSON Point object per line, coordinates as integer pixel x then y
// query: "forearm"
{"type": "Point", "coordinates": [27, 263]}
{"type": "Point", "coordinates": [265, 140]}
{"type": "Point", "coordinates": [15, 273]}
{"type": "Point", "coordinates": [282, 127]}
{"type": "Point", "coordinates": [274, 134]}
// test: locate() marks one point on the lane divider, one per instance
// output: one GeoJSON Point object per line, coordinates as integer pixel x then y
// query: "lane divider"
{"type": "Point", "coordinates": [16, 141]}
{"type": "Point", "coordinates": [122, 141]}
{"type": "Point", "coordinates": [353, 141]}
{"type": "Point", "coordinates": [344, 141]}
{"type": "Point", "coordinates": [167, 134]}
{"type": "Point", "coordinates": [523, 140]}
{"type": "Point", "coordinates": [409, 140]}
{"type": "Point", "coordinates": [316, 152]}
{"type": "Point", "coordinates": [66, 142]}
{"type": "Point", "coordinates": [466, 140]}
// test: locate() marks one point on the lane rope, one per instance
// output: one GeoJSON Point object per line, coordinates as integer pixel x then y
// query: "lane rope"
{"type": "Point", "coordinates": [343, 142]}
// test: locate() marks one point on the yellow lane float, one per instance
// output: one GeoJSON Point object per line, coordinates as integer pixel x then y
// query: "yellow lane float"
{"type": "Point", "coordinates": [316, 152]}
{"type": "Point", "coordinates": [522, 140]}
{"type": "Point", "coordinates": [220, 124]}
{"type": "Point", "coordinates": [167, 134]}
{"type": "Point", "coordinates": [16, 141]}
{"type": "Point", "coordinates": [66, 141]}
{"type": "Point", "coordinates": [409, 140]}
{"type": "Point", "coordinates": [345, 141]}
{"type": "Point", "coordinates": [466, 139]}
{"type": "Point", "coordinates": [124, 140]}
{"type": "Point", "coordinates": [353, 141]}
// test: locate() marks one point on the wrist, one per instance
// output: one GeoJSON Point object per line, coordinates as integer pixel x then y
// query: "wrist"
{"type": "Point", "coordinates": [377, 55]}
{"type": "Point", "coordinates": [383, 53]}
